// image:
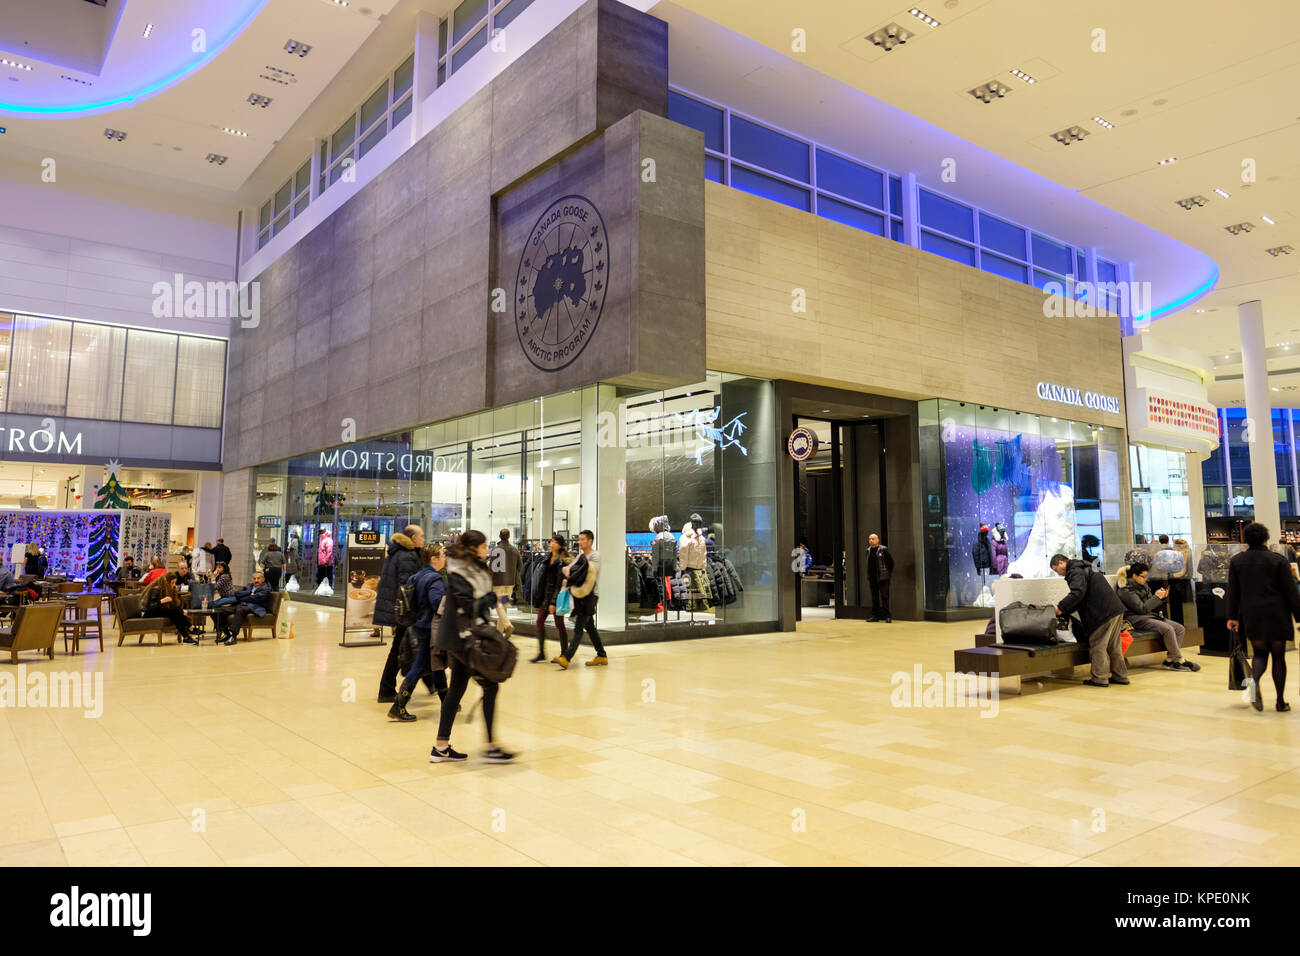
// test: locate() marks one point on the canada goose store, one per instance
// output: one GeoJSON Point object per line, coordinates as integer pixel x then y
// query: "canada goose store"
{"type": "Point", "coordinates": [539, 332]}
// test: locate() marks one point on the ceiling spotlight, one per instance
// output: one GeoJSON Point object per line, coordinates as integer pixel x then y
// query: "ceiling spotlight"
{"type": "Point", "coordinates": [148, 30]}
{"type": "Point", "coordinates": [339, 3]}
{"type": "Point", "coordinates": [1239, 228]}
{"type": "Point", "coordinates": [233, 132]}
{"type": "Point", "coordinates": [890, 36]}
{"type": "Point", "coordinates": [116, 134]}
{"type": "Point", "coordinates": [1267, 220]}
{"type": "Point", "coordinates": [1192, 202]}
{"type": "Point", "coordinates": [15, 64]}
{"type": "Point", "coordinates": [1199, 311]}
{"type": "Point", "coordinates": [1101, 122]}
{"type": "Point", "coordinates": [990, 91]}
{"type": "Point", "coordinates": [1166, 162]}
{"type": "Point", "coordinates": [217, 159]}
{"type": "Point", "coordinates": [1071, 134]}
{"type": "Point", "coordinates": [1222, 193]}
{"type": "Point", "coordinates": [924, 17]}
{"type": "Point", "coordinates": [298, 47]}
{"type": "Point", "coordinates": [1022, 75]}
{"type": "Point", "coordinates": [1280, 251]}
{"type": "Point", "coordinates": [257, 99]}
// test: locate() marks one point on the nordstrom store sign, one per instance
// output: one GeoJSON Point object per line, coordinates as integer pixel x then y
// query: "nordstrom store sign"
{"type": "Point", "coordinates": [1072, 396]}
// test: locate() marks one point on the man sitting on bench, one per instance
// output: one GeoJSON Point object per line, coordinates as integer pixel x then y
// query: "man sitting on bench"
{"type": "Point", "coordinates": [253, 600]}
{"type": "Point", "coordinates": [1144, 613]}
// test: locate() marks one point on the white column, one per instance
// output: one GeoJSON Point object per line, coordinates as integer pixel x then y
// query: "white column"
{"type": "Point", "coordinates": [207, 507]}
{"type": "Point", "coordinates": [426, 68]}
{"type": "Point", "coordinates": [604, 505]}
{"type": "Point", "coordinates": [1196, 497]}
{"type": "Point", "coordinates": [1259, 416]}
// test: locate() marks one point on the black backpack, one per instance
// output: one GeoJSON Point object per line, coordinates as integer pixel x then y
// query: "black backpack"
{"type": "Point", "coordinates": [406, 606]}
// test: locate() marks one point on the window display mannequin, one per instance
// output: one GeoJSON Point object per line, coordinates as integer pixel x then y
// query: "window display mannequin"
{"type": "Point", "coordinates": [692, 557]}
{"type": "Point", "coordinates": [998, 539]}
{"type": "Point", "coordinates": [325, 557]}
{"type": "Point", "coordinates": [663, 560]}
{"type": "Point", "coordinates": [982, 554]}
{"type": "Point", "coordinates": [1053, 532]}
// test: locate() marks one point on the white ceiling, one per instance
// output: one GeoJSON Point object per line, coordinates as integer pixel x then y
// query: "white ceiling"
{"type": "Point", "coordinates": [1209, 83]}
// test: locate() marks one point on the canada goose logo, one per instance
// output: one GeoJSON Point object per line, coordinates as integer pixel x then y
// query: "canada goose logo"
{"type": "Point", "coordinates": [562, 282]}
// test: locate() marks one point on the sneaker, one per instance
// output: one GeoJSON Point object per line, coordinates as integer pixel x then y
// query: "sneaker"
{"type": "Point", "coordinates": [1190, 665]}
{"type": "Point", "coordinates": [497, 755]}
{"type": "Point", "coordinates": [1174, 665]}
{"type": "Point", "coordinates": [601, 661]}
{"type": "Point", "coordinates": [445, 756]}
{"type": "Point", "coordinates": [1092, 683]}
{"type": "Point", "coordinates": [189, 640]}
{"type": "Point", "coordinates": [562, 661]}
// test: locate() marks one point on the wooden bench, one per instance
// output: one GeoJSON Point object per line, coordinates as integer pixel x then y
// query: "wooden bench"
{"type": "Point", "coordinates": [1010, 664]}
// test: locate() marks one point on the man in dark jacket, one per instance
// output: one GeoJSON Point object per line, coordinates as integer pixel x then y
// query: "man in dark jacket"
{"type": "Point", "coordinates": [253, 601]}
{"type": "Point", "coordinates": [1102, 615]}
{"type": "Point", "coordinates": [1144, 613]}
{"type": "Point", "coordinates": [220, 553]}
{"type": "Point", "coordinates": [504, 562]}
{"type": "Point", "coordinates": [403, 560]}
{"type": "Point", "coordinates": [880, 568]}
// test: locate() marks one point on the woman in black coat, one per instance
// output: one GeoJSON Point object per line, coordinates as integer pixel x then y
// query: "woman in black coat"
{"type": "Point", "coordinates": [469, 601]}
{"type": "Point", "coordinates": [1263, 598]}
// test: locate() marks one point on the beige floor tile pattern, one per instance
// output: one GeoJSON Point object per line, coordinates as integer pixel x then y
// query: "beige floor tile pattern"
{"type": "Point", "coordinates": [768, 750]}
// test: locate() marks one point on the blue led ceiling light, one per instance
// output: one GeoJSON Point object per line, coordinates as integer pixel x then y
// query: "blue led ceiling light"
{"type": "Point", "coordinates": [1179, 303]}
{"type": "Point", "coordinates": [254, 7]}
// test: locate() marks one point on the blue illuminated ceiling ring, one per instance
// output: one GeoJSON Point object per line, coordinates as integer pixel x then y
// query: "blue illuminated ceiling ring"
{"type": "Point", "coordinates": [130, 99]}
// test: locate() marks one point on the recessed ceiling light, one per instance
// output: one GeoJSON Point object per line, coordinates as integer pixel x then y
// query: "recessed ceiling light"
{"type": "Point", "coordinates": [338, 3]}
{"type": "Point", "coordinates": [1238, 228]}
{"type": "Point", "coordinates": [1022, 75]}
{"type": "Point", "coordinates": [1192, 202]}
{"type": "Point", "coordinates": [298, 47]}
{"type": "Point", "coordinates": [15, 64]}
{"type": "Point", "coordinates": [116, 134]}
{"type": "Point", "coordinates": [1200, 310]}
{"type": "Point", "coordinates": [890, 36]}
{"type": "Point", "coordinates": [1267, 220]}
{"type": "Point", "coordinates": [924, 17]}
{"type": "Point", "coordinates": [1280, 251]}
{"type": "Point", "coordinates": [990, 91]}
{"type": "Point", "coordinates": [148, 30]}
{"type": "Point", "coordinates": [1101, 122]}
{"type": "Point", "coordinates": [1166, 162]}
{"type": "Point", "coordinates": [233, 132]}
{"type": "Point", "coordinates": [1222, 193]}
{"type": "Point", "coordinates": [1071, 134]}
{"type": "Point", "coordinates": [257, 99]}
{"type": "Point", "coordinates": [217, 159]}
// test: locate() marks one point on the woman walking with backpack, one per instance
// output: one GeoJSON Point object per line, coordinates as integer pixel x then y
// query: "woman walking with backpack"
{"type": "Point", "coordinates": [430, 587]}
{"type": "Point", "coordinates": [469, 602]}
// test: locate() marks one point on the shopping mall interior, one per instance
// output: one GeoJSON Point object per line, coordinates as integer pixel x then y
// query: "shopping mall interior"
{"type": "Point", "coordinates": [740, 368]}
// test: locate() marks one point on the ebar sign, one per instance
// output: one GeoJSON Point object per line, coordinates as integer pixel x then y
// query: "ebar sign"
{"type": "Point", "coordinates": [562, 283]}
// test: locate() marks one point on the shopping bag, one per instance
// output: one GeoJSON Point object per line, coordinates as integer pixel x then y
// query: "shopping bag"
{"type": "Point", "coordinates": [1125, 641]}
{"type": "Point", "coordinates": [323, 589]}
{"type": "Point", "coordinates": [291, 584]}
{"type": "Point", "coordinates": [1239, 672]}
{"type": "Point", "coordinates": [563, 602]}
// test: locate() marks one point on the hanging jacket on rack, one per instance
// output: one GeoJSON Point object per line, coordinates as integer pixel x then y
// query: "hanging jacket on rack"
{"type": "Point", "coordinates": [981, 553]}
{"type": "Point", "coordinates": [1001, 558]}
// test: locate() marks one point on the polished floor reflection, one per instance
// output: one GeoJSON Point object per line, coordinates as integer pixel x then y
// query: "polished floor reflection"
{"type": "Point", "coordinates": [775, 749]}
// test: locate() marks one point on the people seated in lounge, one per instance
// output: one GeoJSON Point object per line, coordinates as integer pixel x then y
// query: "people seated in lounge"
{"type": "Point", "coordinates": [156, 570]}
{"type": "Point", "coordinates": [161, 599]}
{"type": "Point", "coordinates": [128, 571]}
{"type": "Point", "coordinates": [36, 563]}
{"type": "Point", "coordinates": [252, 601]}
{"type": "Point", "coordinates": [1145, 613]}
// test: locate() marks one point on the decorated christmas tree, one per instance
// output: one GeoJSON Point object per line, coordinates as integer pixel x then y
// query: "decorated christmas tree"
{"type": "Point", "coordinates": [102, 562]}
{"type": "Point", "coordinates": [111, 494]}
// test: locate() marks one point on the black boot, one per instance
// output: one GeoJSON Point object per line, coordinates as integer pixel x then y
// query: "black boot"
{"type": "Point", "coordinates": [398, 711]}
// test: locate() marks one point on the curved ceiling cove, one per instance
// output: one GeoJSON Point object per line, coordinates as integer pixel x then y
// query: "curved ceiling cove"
{"type": "Point", "coordinates": [156, 44]}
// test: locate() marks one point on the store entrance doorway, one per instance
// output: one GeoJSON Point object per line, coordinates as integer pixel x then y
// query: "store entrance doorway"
{"type": "Point", "coordinates": [841, 496]}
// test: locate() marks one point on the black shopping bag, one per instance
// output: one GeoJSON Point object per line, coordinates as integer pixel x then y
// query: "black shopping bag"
{"type": "Point", "coordinates": [1238, 665]}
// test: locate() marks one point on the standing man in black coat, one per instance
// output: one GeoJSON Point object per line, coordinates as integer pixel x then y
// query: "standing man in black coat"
{"type": "Point", "coordinates": [403, 560]}
{"type": "Point", "coordinates": [220, 553]}
{"type": "Point", "coordinates": [1263, 599]}
{"type": "Point", "coordinates": [880, 568]}
{"type": "Point", "coordinates": [1102, 614]}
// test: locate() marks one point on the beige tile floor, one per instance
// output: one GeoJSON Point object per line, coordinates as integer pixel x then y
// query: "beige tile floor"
{"type": "Point", "coordinates": [765, 750]}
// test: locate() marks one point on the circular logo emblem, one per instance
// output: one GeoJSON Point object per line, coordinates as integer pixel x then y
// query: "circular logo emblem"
{"type": "Point", "coordinates": [563, 279]}
{"type": "Point", "coordinates": [802, 444]}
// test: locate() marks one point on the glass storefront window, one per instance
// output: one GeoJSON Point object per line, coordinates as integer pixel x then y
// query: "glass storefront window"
{"type": "Point", "coordinates": [1161, 504]}
{"type": "Point", "coordinates": [38, 367]}
{"type": "Point", "coordinates": [602, 458]}
{"type": "Point", "coordinates": [98, 364]}
{"type": "Point", "coordinates": [1003, 491]}
{"type": "Point", "coordinates": [149, 393]}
